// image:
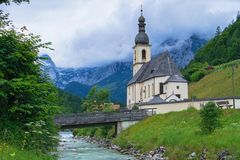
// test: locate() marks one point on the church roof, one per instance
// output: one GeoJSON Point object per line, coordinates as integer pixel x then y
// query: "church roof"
{"type": "Point", "coordinates": [176, 78]}
{"type": "Point", "coordinates": [141, 38]}
{"type": "Point", "coordinates": [157, 67]}
{"type": "Point", "coordinates": [156, 100]}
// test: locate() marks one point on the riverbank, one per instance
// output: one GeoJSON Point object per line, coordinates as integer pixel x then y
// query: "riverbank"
{"type": "Point", "coordinates": [176, 136]}
{"type": "Point", "coordinates": [10, 152]}
{"type": "Point", "coordinates": [179, 133]}
{"type": "Point", "coordinates": [157, 154]}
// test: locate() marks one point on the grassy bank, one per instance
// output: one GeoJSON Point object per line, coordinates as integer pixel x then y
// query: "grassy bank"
{"type": "Point", "coordinates": [9, 152]}
{"type": "Point", "coordinates": [179, 132]}
{"type": "Point", "coordinates": [218, 83]}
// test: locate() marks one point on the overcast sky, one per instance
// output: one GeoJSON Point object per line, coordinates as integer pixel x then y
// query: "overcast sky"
{"type": "Point", "coordinates": [89, 33]}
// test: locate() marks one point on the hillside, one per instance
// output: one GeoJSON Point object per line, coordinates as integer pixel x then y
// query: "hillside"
{"type": "Point", "coordinates": [223, 48]}
{"type": "Point", "coordinates": [180, 133]}
{"type": "Point", "coordinates": [218, 83]}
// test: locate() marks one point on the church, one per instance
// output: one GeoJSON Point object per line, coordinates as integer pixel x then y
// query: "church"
{"type": "Point", "coordinates": [155, 80]}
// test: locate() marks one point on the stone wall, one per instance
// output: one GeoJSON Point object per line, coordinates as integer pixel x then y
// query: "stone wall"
{"type": "Point", "coordinates": [183, 105]}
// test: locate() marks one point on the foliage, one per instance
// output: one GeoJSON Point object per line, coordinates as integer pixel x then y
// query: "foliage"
{"type": "Point", "coordinates": [9, 152]}
{"type": "Point", "coordinates": [7, 2]}
{"type": "Point", "coordinates": [224, 47]}
{"type": "Point", "coordinates": [70, 103]}
{"type": "Point", "coordinates": [95, 99]}
{"type": "Point", "coordinates": [179, 132]}
{"type": "Point", "coordinates": [196, 76]}
{"type": "Point", "coordinates": [135, 107]}
{"type": "Point", "coordinates": [26, 95]}
{"type": "Point", "coordinates": [106, 131]}
{"type": "Point", "coordinates": [210, 117]}
{"type": "Point", "coordinates": [218, 31]}
{"type": "Point", "coordinates": [195, 71]}
{"type": "Point", "coordinates": [218, 83]}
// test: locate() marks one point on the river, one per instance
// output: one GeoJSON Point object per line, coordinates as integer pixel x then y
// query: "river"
{"type": "Point", "coordinates": [77, 149]}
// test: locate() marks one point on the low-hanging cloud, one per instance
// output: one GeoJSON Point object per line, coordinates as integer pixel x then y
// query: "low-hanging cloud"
{"type": "Point", "coordinates": [95, 32]}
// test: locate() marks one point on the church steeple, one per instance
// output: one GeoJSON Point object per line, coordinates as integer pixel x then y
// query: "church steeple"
{"type": "Point", "coordinates": [142, 48]}
{"type": "Point", "coordinates": [141, 37]}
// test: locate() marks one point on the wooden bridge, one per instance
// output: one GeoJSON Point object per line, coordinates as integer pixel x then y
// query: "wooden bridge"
{"type": "Point", "coordinates": [121, 119]}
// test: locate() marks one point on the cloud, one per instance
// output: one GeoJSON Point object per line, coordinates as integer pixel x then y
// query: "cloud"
{"type": "Point", "coordinates": [96, 32]}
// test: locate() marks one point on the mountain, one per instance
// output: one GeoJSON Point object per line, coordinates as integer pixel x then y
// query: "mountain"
{"type": "Point", "coordinates": [182, 51]}
{"type": "Point", "coordinates": [115, 76]}
{"type": "Point", "coordinates": [49, 67]}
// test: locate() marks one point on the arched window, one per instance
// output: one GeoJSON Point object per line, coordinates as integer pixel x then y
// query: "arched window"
{"type": "Point", "coordinates": [143, 54]}
{"type": "Point", "coordinates": [135, 56]}
{"type": "Point", "coordinates": [141, 90]}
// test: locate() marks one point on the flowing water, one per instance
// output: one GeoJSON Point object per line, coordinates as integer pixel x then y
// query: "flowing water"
{"type": "Point", "coordinates": [77, 149]}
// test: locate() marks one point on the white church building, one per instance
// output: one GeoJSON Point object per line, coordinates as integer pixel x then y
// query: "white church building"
{"type": "Point", "coordinates": [155, 80]}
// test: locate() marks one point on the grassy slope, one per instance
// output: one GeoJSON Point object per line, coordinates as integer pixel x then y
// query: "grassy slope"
{"type": "Point", "coordinates": [217, 83]}
{"type": "Point", "coordinates": [179, 132]}
{"type": "Point", "coordinates": [8, 152]}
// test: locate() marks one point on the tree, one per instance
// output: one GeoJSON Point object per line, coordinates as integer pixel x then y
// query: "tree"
{"type": "Point", "coordinates": [218, 31]}
{"type": "Point", "coordinates": [96, 99]}
{"type": "Point", "coordinates": [238, 16]}
{"type": "Point", "coordinates": [26, 95]}
{"type": "Point", "coordinates": [8, 2]}
{"type": "Point", "coordinates": [210, 117]}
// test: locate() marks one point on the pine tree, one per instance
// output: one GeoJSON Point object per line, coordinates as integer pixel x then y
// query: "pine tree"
{"type": "Point", "coordinates": [238, 16]}
{"type": "Point", "coordinates": [218, 31]}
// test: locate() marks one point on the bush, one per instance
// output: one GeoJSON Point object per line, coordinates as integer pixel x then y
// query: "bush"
{"type": "Point", "coordinates": [210, 115]}
{"type": "Point", "coordinates": [196, 76]}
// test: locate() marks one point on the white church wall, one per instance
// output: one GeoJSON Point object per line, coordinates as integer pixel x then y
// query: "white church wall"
{"type": "Point", "coordinates": [147, 86]}
{"type": "Point", "coordinates": [178, 89]}
{"type": "Point", "coordinates": [159, 80]}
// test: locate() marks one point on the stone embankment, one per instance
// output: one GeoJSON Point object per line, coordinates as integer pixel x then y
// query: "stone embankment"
{"type": "Point", "coordinates": [157, 154]}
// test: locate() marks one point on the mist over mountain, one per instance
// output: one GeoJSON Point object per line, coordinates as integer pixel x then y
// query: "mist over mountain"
{"type": "Point", "coordinates": [115, 76]}
{"type": "Point", "coordinates": [182, 51]}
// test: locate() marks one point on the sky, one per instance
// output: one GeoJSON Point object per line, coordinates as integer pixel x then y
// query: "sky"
{"type": "Point", "coordinates": [87, 33]}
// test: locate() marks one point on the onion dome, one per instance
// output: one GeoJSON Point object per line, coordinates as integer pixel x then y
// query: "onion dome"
{"type": "Point", "coordinates": [141, 37]}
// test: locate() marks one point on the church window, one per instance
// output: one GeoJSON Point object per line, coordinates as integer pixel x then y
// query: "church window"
{"type": "Point", "coordinates": [161, 88]}
{"type": "Point", "coordinates": [135, 56]}
{"type": "Point", "coordinates": [133, 93]}
{"type": "Point", "coordinates": [153, 89]}
{"type": "Point", "coordinates": [145, 94]}
{"type": "Point", "coordinates": [177, 87]}
{"type": "Point", "coordinates": [148, 90]}
{"type": "Point", "coordinates": [143, 54]}
{"type": "Point", "coordinates": [178, 95]}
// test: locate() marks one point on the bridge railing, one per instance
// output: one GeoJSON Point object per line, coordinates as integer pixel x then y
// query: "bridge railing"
{"type": "Point", "coordinates": [103, 117]}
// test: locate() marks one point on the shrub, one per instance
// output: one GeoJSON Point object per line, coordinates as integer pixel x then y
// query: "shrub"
{"type": "Point", "coordinates": [196, 76]}
{"type": "Point", "coordinates": [210, 117]}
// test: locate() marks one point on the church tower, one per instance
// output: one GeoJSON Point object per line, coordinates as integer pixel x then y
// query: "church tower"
{"type": "Point", "coordinates": [142, 48]}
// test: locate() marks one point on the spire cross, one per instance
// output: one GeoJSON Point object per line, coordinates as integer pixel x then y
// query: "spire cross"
{"type": "Point", "coordinates": [141, 9]}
